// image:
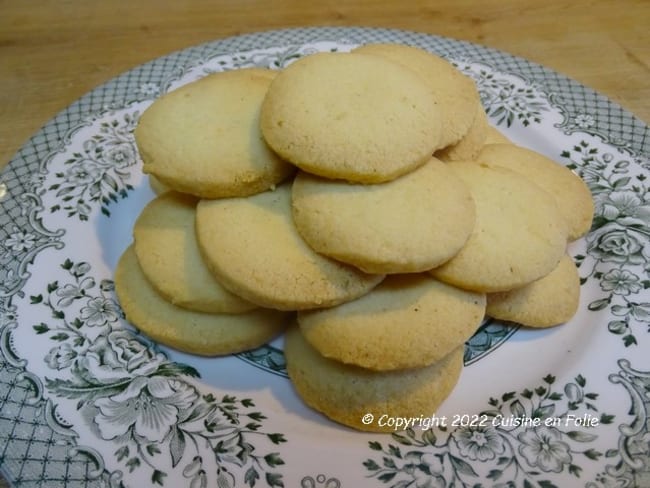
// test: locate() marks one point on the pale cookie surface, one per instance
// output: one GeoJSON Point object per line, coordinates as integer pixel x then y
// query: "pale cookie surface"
{"type": "Point", "coordinates": [347, 393]}
{"type": "Point", "coordinates": [519, 235]}
{"type": "Point", "coordinates": [470, 145]}
{"type": "Point", "coordinates": [407, 321]}
{"type": "Point", "coordinates": [456, 93]}
{"type": "Point", "coordinates": [495, 136]}
{"type": "Point", "coordinates": [412, 223]}
{"type": "Point", "coordinates": [351, 116]}
{"type": "Point", "coordinates": [549, 301]}
{"type": "Point", "coordinates": [165, 243]}
{"type": "Point", "coordinates": [254, 249]}
{"type": "Point", "coordinates": [569, 190]}
{"type": "Point", "coordinates": [204, 139]}
{"type": "Point", "coordinates": [193, 332]}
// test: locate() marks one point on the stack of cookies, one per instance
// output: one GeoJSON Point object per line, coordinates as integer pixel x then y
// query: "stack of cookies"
{"type": "Point", "coordinates": [363, 193]}
{"type": "Point", "coordinates": [161, 280]}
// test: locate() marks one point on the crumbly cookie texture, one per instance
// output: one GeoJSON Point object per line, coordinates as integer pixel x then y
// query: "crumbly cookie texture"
{"type": "Point", "coordinates": [199, 333]}
{"type": "Point", "coordinates": [407, 321]}
{"type": "Point", "coordinates": [204, 138]}
{"type": "Point", "coordinates": [471, 143]}
{"type": "Point", "coordinates": [547, 302]}
{"type": "Point", "coordinates": [413, 223]}
{"type": "Point", "coordinates": [569, 190]}
{"type": "Point", "coordinates": [351, 116]}
{"type": "Point", "coordinates": [346, 393]}
{"type": "Point", "coordinates": [165, 244]}
{"type": "Point", "coordinates": [519, 235]}
{"type": "Point", "coordinates": [456, 93]}
{"type": "Point", "coordinates": [252, 246]}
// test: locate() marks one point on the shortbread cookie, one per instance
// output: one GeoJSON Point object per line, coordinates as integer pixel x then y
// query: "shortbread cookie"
{"type": "Point", "coordinates": [407, 321]}
{"type": "Point", "coordinates": [519, 235]}
{"type": "Point", "coordinates": [193, 332]}
{"type": "Point", "coordinates": [364, 399]}
{"type": "Point", "coordinates": [203, 138]}
{"type": "Point", "coordinates": [549, 301]}
{"type": "Point", "coordinates": [165, 243]}
{"type": "Point", "coordinates": [495, 136]}
{"type": "Point", "coordinates": [252, 246]}
{"type": "Point", "coordinates": [455, 92]}
{"type": "Point", "coordinates": [470, 145]}
{"type": "Point", "coordinates": [351, 116]}
{"type": "Point", "coordinates": [413, 223]}
{"type": "Point", "coordinates": [570, 191]}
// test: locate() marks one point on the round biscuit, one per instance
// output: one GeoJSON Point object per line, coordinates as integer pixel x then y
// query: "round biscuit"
{"type": "Point", "coordinates": [204, 138]}
{"type": "Point", "coordinates": [413, 223]}
{"type": "Point", "coordinates": [165, 243]}
{"type": "Point", "coordinates": [519, 235]}
{"type": "Point", "coordinates": [456, 93]}
{"type": "Point", "coordinates": [471, 143]}
{"type": "Point", "coordinates": [347, 394]}
{"type": "Point", "coordinates": [569, 190]}
{"type": "Point", "coordinates": [351, 116]}
{"type": "Point", "coordinates": [407, 321]}
{"type": "Point", "coordinates": [252, 246]}
{"type": "Point", "coordinates": [193, 332]}
{"type": "Point", "coordinates": [552, 300]}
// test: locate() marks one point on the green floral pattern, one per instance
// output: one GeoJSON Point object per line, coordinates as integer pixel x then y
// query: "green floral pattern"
{"type": "Point", "coordinates": [618, 246]}
{"type": "Point", "coordinates": [507, 100]}
{"type": "Point", "coordinates": [97, 174]}
{"type": "Point", "coordinates": [519, 440]}
{"type": "Point", "coordinates": [628, 463]}
{"type": "Point", "coordinates": [140, 401]}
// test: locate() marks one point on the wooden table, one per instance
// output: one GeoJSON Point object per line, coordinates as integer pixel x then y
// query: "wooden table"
{"type": "Point", "coordinates": [53, 52]}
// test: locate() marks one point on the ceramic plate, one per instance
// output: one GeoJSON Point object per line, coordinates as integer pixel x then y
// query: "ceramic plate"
{"type": "Point", "coordinates": [87, 401]}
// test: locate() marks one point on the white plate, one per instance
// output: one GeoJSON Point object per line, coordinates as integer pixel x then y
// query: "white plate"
{"type": "Point", "coordinates": [86, 401]}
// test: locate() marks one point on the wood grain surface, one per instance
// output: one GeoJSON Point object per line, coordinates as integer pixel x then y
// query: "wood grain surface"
{"type": "Point", "coordinates": [53, 52]}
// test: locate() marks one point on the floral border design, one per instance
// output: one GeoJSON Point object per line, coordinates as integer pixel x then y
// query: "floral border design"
{"type": "Point", "coordinates": [632, 467]}
{"type": "Point", "coordinates": [508, 100]}
{"type": "Point", "coordinates": [132, 396]}
{"type": "Point", "coordinates": [523, 437]}
{"type": "Point", "coordinates": [618, 245]}
{"type": "Point", "coordinates": [98, 174]}
{"type": "Point", "coordinates": [22, 244]}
